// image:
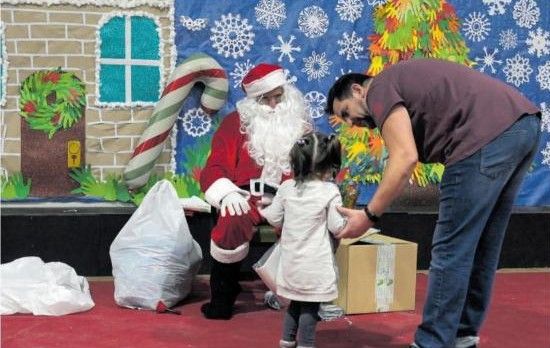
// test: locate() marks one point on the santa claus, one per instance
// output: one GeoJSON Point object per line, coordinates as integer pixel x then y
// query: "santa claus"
{"type": "Point", "coordinates": [249, 160]}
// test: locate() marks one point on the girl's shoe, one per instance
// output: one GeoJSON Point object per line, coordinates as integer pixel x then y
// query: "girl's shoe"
{"type": "Point", "coordinates": [287, 344]}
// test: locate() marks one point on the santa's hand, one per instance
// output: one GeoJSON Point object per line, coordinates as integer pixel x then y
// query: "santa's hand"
{"type": "Point", "coordinates": [235, 203]}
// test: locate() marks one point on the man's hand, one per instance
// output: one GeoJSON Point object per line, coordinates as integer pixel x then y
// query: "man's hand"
{"type": "Point", "coordinates": [235, 203]}
{"type": "Point", "coordinates": [357, 223]}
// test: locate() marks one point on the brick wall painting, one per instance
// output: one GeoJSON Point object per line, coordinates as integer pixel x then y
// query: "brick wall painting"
{"type": "Point", "coordinates": [44, 35]}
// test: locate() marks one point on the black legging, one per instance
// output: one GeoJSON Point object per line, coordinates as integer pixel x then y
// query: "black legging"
{"type": "Point", "coordinates": [301, 319]}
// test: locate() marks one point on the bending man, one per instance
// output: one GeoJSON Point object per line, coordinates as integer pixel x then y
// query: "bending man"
{"type": "Point", "coordinates": [486, 134]}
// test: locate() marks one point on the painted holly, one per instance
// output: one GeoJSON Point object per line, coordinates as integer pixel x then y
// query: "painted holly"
{"type": "Point", "coordinates": [52, 100]}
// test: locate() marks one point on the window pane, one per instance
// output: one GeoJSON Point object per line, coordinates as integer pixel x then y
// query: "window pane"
{"type": "Point", "coordinates": [145, 38]}
{"type": "Point", "coordinates": [112, 38]}
{"type": "Point", "coordinates": [112, 84]}
{"type": "Point", "coordinates": [145, 83]}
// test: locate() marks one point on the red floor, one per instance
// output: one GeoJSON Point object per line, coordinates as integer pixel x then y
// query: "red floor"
{"type": "Point", "coordinates": [519, 317]}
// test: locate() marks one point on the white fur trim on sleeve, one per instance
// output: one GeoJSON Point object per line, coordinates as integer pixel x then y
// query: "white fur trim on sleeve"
{"type": "Point", "coordinates": [228, 255]}
{"type": "Point", "coordinates": [219, 189]}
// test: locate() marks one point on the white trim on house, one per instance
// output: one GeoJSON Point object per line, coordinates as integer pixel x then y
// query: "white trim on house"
{"type": "Point", "coordinates": [113, 3]}
{"type": "Point", "coordinates": [4, 62]}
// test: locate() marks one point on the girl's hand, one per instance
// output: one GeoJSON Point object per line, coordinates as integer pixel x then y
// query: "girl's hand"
{"type": "Point", "coordinates": [278, 230]}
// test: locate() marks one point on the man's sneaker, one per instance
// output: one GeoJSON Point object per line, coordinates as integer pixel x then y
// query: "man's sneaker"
{"type": "Point", "coordinates": [467, 342]}
{"type": "Point", "coordinates": [415, 346]}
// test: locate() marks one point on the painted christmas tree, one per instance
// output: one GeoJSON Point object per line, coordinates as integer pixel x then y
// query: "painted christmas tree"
{"type": "Point", "coordinates": [407, 29]}
{"type": "Point", "coordinates": [404, 29]}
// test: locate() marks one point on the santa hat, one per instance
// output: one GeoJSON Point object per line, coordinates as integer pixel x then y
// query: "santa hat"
{"type": "Point", "coordinates": [263, 78]}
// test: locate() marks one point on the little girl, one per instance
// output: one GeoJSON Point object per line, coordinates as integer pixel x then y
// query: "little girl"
{"type": "Point", "coordinates": [306, 208]}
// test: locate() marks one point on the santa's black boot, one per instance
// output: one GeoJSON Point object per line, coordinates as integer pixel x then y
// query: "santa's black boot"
{"type": "Point", "coordinates": [224, 289]}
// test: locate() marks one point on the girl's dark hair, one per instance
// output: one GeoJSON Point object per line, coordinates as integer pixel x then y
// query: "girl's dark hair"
{"type": "Point", "coordinates": [314, 155]}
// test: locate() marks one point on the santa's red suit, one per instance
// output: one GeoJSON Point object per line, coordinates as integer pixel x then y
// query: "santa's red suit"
{"type": "Point", "coordinates": [228, 169]}
{"type": "Point", "coordinates": [252, 143]}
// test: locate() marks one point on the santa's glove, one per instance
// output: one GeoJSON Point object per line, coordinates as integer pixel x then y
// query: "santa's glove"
{"type": "Point", "coordinates": [235, 203]}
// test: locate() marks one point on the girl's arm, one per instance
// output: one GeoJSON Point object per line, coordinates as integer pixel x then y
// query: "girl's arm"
{"type": "Point", "coordinates": [335, 221]}
{"type": "Point", "coordinates": [274, 212]}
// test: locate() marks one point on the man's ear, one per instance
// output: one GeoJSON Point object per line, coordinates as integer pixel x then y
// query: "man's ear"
{"type": "Point", "coordinates": [357, 89]}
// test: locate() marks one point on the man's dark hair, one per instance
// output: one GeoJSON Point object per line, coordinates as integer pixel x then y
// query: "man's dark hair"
{"type": "Point", "coordinates": [341, 89]}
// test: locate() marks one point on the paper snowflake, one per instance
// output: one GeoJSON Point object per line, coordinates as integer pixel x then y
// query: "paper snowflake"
{"type": "Point", "coordinates": [193, 24]}
{"type": "Point", "coordinates": [342, 73]}
{"type": "Point", "coordinates": [543, 76]}
{"type": "Point", "coordinates": [270, 13]}
{"type": "Point", "coordinates": [350, 46]}
{"type": "Point", "coordinates": [517, 70]}
{"type": "Point", "coordinates": [538, 42]}
{"type": "Point", "coordinates": [488, 60]}
{"type": "Point", "coordinates": [376, 2]}
{"type": "Point", "coordinates": [286, 48]}
{"type": "Point", "coordinates": [476, 26]}
{"type": "Point", "coordinates": [526, 13]}
{"type": "Point", "coordinates": [289, 77]}
{"type": "Point", "coordinates": [545, 121]}
{"type": "Point", "coordinates": [240, 71]}
{"type": "Point", "coordinates": [349, 10]}
{"type": "Point", "coordinates": [496, 6]}
{"type": "Point", "coordinates": [313, 21]}
{"type": "Point", "coordinates": [316, 66]}
{"type": "Point", "coordinates": [196, 122]}
{"type": "Point", "coordinates": [316, 102]}
{"type": "Point", "coordinates": [232, 36]}
{"type": "Point", "coordinates": [508, 39]}
{"type": "Point", "coordinates": [546, 154]}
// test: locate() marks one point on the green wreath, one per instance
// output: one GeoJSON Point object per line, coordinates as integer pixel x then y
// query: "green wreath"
{"type": "Point", "coordinates": [64, 112]}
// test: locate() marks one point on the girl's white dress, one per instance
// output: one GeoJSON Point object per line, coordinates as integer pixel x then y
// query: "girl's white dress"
{"type": "Point", "coordinates": [307, 212]}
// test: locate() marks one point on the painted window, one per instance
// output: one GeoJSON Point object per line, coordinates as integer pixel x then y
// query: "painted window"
{"type": "Point", "coordinates": [130, 66]}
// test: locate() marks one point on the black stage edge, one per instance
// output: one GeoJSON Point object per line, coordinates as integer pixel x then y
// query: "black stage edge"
{"type": "Point", "coordinates": [81, 236]}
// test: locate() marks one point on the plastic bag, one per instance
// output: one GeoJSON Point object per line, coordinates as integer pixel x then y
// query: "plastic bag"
{"type": "Point", "coordinates": [268, 265]}
{"type": "Point", "coordinates": [154, 256]}
{"type": "Point", "coordinates": [31, 286]}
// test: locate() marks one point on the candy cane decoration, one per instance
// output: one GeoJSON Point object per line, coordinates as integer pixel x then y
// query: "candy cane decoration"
{"type": "Point", "coordinates": [197, 68]}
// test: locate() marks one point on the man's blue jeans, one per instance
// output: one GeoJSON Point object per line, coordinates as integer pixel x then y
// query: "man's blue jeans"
{"type": "Point", "coordinates": [476, 197]}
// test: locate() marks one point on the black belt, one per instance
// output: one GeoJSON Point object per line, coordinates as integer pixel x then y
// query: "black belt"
{"type": "Point", "coordinates": [267, 188]}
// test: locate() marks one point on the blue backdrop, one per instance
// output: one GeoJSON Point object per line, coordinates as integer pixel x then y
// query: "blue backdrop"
{"type": "Point", "coordinates": [317, 41]}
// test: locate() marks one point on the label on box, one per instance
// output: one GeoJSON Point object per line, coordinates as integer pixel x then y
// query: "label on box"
{"type": "Point", "coordinates": [385, 273]}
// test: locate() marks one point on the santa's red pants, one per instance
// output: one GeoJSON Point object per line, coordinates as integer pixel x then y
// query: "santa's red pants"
{"type": "Point", "coordinates": [233, 231]}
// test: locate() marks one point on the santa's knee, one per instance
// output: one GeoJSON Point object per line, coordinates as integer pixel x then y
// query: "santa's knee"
{"type": "Point", "coordinates": [237, 223]}
{"type": "Point", "coordinates": [231, 231]}
{"type": "Point", "coordinates": [228, 255]}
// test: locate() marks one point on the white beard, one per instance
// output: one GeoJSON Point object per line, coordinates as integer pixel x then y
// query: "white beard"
{"type": "Point", "coordinates": [271, 132]}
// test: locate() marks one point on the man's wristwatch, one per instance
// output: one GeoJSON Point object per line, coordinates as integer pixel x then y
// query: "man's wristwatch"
{"type": "Point", "coordinates": [372, 217]}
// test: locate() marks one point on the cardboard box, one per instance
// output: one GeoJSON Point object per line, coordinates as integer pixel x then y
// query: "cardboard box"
{"type": "Point", "coordinates": [377, 273]}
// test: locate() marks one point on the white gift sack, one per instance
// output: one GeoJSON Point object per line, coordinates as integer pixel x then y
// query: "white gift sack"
{"type": "Point", "coordinates": [154, 256]}
{"type": "Point", "coordinates": [268, 265]}
{"type": "Point", "coordinates": [28, 285]}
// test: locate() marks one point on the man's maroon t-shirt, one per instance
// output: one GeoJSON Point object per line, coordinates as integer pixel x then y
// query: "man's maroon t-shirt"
{"type": "Point", "coordinates": [454, 109]}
